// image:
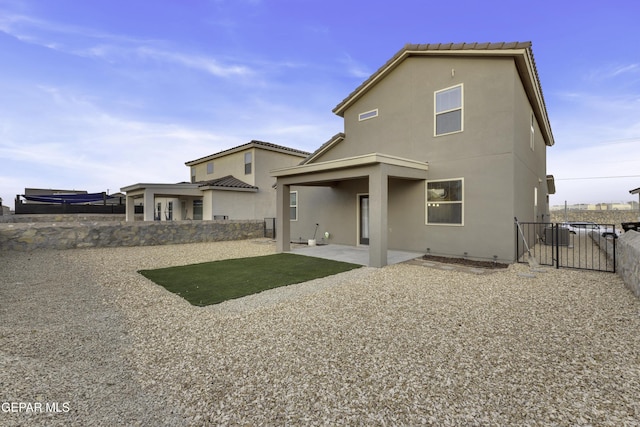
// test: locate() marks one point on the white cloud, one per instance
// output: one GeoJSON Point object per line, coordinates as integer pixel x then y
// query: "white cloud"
{"type": "Point", "coordinates": [613, 71]}
{"type": "Point", "coordinates": [112, 48]}
{"type": "Point", "coordinates": [354, 68]}
{"type": "Point", "coordinates": [198, 62]}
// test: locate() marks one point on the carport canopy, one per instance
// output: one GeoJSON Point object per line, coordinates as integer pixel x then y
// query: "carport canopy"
{"type": "Point", "coordinates": [377, 167]}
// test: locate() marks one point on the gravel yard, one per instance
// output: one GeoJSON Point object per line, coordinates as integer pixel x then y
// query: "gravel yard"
{"type": "Point", "coordinates": [401, 345]}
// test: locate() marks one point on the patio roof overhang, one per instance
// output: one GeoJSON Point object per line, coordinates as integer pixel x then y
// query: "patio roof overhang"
{"type": "Point", "coordinates": [325, 173]}
{"type": "Point", "coordinates": [376, 167]}
{"type": "Point", "coordinates": [168, 190]}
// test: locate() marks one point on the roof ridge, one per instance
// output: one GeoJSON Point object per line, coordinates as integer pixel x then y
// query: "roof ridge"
{"type": "Point", "coordinates": [247, 145]}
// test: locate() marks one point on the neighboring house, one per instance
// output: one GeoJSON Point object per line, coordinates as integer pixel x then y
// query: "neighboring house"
{"type": "Point", "coordinates": [231, 184]}
{"type": "Point", "coordinates": [442, 147]}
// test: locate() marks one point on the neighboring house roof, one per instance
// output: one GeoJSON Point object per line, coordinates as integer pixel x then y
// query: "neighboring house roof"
{"type": "Point", "coordinates": [252, 144]}
{"type": "Point", "coordinates": [226, 182]}
{"type": "Point", "coordinates": [520, 51]}
{"type": "Point", "coordinates": [324, 147]}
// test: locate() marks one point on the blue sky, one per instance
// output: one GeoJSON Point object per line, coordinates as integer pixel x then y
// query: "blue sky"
{"type": "Point", "coordinates": [97, 95]}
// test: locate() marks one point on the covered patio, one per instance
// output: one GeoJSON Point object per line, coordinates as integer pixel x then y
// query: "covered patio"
{"type": "Point", "coordinates": [351, 254]}
{"type": "Point", "coordinates": [377, 168]}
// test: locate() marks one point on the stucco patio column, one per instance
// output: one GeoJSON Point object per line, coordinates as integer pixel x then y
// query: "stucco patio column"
{"type": "Point", "coordinates": [283, 216]}
{"type": "Point", "coordinates": [207, 205]}
{"type": "Point", "coordinates": [378, 199]}
{"type": "Point", "coordinates": [130, 209]}
{"type": "Point", "coordinates": [149, 208]}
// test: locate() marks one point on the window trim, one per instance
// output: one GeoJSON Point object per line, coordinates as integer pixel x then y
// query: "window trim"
{"type": "Point", "coordinates": [532, 139]}
{"type": "Point", "coordinates": [248, 166]}
{"type": "Point", "coordinates": [426, 203]}
{"type": "Point", "coordinates": [368, 115]}
{"type": "Point", "coordinates": [436, 113]}
{"type": "Point", "coordinates": [293, 205]}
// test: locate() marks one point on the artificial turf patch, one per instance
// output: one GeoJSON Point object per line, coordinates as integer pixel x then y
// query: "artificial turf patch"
{"type": "Point", "coordinates": [217, 281]}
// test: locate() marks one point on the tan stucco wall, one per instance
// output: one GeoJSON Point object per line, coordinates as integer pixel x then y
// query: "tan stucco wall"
{"type": "Point", "coordinates": [492, 155]}
{"type": "Point", "coordinates": [231, 164]}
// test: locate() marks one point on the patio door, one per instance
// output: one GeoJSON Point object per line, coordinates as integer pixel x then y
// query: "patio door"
{"type": "Point", "coordinates": [363, 202]}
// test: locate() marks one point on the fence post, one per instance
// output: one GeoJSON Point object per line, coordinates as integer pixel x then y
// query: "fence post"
{"type": "Point", "coordinates": [556, 249]}
{"type": "Point", "coordinates": [517, 242]}
{"type": "Point", "coordinates": [614, 247]}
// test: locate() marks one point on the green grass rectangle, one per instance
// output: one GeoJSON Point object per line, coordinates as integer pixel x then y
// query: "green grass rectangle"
{"type": "Point", "coordinates": [217, 281]}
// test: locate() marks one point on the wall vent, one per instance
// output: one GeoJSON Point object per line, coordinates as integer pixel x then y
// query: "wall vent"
{"type": "Point", "coordinates": [368, 115]}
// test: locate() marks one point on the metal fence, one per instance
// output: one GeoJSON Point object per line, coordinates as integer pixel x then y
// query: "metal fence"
{"type": "Point", "coordinates": [559, 246]}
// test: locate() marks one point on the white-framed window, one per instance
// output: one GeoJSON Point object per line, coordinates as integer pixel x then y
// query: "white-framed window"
{"type": "Point", "coordinates": [532, 134]}
{"type": "Point", "coordinates": [197, 209]}
{"type": "Point", "coordinates": [445, 202]}
{"type": "Point", "coordinates": [293, 205]}
{"type": "Point", "coordinates": [193, 174]}
{"type": "Point", "coordinates": [209, 168]}
{"type": "Point", "coordinates": [247, 163]}
{"type": "Point", "coordinates": [368, 115]}
{"type": "Point", "coordinates": [448, 105]}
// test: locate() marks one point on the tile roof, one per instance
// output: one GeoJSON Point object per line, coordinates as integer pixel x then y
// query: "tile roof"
{"type": "Point", "coordinates": [334, 140]}
{"type": "Point", "coordinates": [250, 144]}
{"type": "Point", "coordinates": [228, 181]}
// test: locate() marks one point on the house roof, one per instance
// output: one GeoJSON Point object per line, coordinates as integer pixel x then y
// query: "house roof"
{"type": "Point", "coordinates": [520, 51]}
{"type": "Point", "coordinates": [324, 147]}
{"type": "Point", "coordinates": [251, 144]}
{"type": "Point", "coordinates": [635, 191]}
{"type": "Point", "coordinates": [228, 182]}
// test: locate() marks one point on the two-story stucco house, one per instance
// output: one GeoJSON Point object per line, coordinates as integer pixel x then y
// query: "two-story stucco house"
{"type": "Point", "coordinates": [231, 184]}
{"type": "Point", "coordinates": [442, 147]}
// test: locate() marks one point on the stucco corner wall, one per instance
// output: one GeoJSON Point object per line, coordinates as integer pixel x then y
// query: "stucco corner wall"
{"type": "Point", "coordinates": [33, 236]}
{"type": "Point", "coordinates": [628, 260]}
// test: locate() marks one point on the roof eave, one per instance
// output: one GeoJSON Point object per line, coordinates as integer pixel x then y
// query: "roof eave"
{"type": "Point", "coordinates": [222, 188]}
{"type": "Point", "coordinates": [249, 145]}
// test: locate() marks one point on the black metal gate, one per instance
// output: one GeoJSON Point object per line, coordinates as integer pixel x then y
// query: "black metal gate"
{"type": "Point", "coordinates": [583, 246]}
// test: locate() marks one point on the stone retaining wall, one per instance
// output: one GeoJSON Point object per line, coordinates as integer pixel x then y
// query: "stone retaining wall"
{"type": "Point", "coordinates": [628, 260]}
{"type": "Point", "coordinates": [70, 235]}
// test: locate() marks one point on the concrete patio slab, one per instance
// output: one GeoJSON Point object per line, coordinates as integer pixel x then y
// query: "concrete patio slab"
{"type": "Point", "coordinates": [352, 254]}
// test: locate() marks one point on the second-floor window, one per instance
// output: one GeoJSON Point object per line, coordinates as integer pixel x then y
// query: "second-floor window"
{"type": "Point", "coordinates": [247, 163]}
{"type": "Point", "coordinates": [209, 168]}
{"type": "Point", "coordinates": [448, 110]}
